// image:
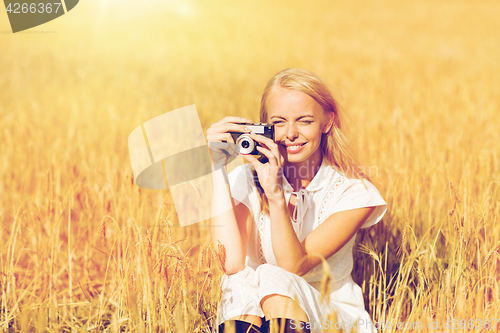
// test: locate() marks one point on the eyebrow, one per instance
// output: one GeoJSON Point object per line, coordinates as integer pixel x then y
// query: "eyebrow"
{"type": "Point", "coordinates": [297, 118]}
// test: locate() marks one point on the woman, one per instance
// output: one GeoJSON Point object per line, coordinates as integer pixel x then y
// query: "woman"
{"type": "Point", "coordinates": [303, 201]}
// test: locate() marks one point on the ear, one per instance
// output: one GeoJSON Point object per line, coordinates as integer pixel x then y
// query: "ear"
{"type": "Point", "coordinates": [329, 118]}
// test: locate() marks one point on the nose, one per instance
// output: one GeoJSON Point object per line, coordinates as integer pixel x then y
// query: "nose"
{"type": "Point", "coordinates": [292, 132]}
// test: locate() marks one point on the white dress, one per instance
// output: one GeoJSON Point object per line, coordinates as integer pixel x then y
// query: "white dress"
{"type": "Point", "coordinates": [329, 192]}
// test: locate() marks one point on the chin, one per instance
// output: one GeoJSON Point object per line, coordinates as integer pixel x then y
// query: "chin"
{"type": "Point", "coordinates": [296, 159]}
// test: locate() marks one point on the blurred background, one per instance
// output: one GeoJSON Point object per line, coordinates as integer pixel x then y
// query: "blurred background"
{"type": "Point", "coordinates": [417, 80]}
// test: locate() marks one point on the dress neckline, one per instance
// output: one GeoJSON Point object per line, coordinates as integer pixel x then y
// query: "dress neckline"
{"type": "Point", "coordinates": [304, 196]}
{"type": "Point", "coordinates": [316, 183]}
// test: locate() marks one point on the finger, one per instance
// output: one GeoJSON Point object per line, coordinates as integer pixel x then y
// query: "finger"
{"type": "Point", "coordinates": [270, 156]}
{"type": "Point", "coordinates": [231, 119]}
{"type": "Point", "coordinates": [221, 146]}
{"type": "Point", "coordinates": [254, 161]}
{"type": "Point", "coordinates": [262, 139]}
{"type": "Point", "coordinates": [238, 119]}
{"type": "Point", "coordinates": [220, 137]}
{"type": "Point", "coordinates": [223, 141]}
{"type": "Point", "coordinates": [270, 144]}
{"type": "Point", "coordinates": [233, 149]}
{"type": "Point", "coordinates": [232, 127]}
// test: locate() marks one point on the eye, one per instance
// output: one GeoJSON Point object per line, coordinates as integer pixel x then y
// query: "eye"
{"type": "Point", "coordinates": [278, 122]}
{"type": "Point", "coordinates": [307, 122]}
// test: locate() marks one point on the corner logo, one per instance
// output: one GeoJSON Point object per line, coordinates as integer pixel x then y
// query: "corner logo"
{"type": "Point", "coordinates": [28, 14]}
{"type": "Point", "coordinates": [170, 152]}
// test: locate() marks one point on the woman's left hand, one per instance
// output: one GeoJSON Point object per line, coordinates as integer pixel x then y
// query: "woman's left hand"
{"type": "Point", "coordinates": [270, 173]}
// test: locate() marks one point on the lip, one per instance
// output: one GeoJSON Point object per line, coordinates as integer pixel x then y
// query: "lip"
{"type": "Point", "coordinates": [293, 144]}
{"type": "Point", "coordinates": [297, 147]}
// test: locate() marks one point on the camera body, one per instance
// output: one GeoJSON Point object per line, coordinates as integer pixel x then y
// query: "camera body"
{"type": "Point", "coordinates": [247, 145]}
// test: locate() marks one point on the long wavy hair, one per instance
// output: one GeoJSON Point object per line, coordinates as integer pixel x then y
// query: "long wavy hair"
{"type": "Point", "coordinates": [334, 144]}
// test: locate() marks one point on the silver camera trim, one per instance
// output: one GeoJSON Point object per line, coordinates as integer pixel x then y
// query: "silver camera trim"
{"type": "Point", "coordinates": [249, 139]}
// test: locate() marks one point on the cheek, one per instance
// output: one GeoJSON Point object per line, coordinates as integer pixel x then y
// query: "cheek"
{"type": "Point", "coordinates": [312, 133]}
{"type": "Point", "coordinates": [279, 133]}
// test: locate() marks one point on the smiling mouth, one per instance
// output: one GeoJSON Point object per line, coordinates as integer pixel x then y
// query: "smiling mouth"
{"type": "Point", "coordinates": [293, 146]}
{"type": "Point", "coordinates": [294, 149]}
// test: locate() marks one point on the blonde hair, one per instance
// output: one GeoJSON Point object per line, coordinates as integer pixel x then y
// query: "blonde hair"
{"type": "Point", "coordinates": [334, 145]}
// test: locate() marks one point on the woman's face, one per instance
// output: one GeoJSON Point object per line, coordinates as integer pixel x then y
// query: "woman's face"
{"type": "Point", "coordinates": [299, 122]}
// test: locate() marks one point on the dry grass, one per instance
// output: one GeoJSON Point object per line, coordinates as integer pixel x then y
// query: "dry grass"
{"type": "Point", "coordinates": [84, 249]}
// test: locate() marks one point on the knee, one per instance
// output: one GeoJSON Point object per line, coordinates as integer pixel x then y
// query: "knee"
{"type": "Point", "coordinates": [274, 301]}
{"type": "Point", "coordinates": [280, 306]}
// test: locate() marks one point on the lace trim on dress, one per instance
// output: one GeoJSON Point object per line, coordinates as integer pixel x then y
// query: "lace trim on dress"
{"type": "Point", "coordinates": [261, 231]}
{"type": "Point", "coordinates": [321, 216]}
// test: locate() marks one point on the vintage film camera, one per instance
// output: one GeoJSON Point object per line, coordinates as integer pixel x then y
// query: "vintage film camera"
{"type": "Point", "coordinates": [247, 145]}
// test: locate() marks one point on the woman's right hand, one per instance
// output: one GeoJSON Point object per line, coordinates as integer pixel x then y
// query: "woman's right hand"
{"type": "Point", "coordinates": [220, 142]}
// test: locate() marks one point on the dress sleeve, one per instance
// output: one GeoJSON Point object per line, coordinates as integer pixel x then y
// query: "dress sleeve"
{"type": "Point", "coordinates": [240, 184]}
{"type": "Point", "coordinates": [359, 193]}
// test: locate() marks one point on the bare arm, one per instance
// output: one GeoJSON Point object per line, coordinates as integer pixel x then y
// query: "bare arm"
{"type": "Point", "coordinates": [229, 225]}
{"type": "Point", "coordinates": [325, 240]}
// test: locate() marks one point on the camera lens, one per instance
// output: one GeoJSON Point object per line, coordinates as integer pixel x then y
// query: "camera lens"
{"type": "Point", "coordinates": [245, 144]}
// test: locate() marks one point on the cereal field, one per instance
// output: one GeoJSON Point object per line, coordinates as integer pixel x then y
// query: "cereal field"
{"type": "Point", "coordinates": [85, 249]}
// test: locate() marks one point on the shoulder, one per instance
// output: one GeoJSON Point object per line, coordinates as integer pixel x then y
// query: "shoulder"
{"type": "Point", "coordinates": [356, 186]}
{"type": "Point", "coordinates": [345, 193]}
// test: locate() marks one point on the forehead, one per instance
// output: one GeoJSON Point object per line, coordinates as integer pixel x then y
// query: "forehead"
{"type": "Point", "coordinates": [288, 103]}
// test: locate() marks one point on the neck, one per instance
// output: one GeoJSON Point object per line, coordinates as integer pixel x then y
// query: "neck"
{"type": "Point", "coordinates": [302, 173]}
